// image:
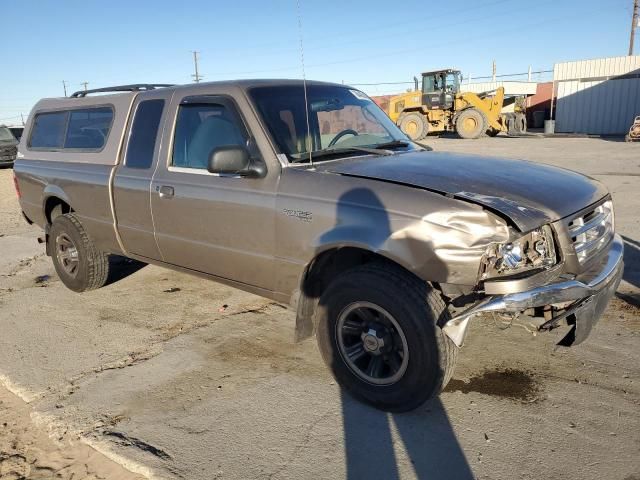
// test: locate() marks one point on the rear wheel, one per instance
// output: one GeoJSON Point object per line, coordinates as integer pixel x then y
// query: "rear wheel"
{"type": "Point", "coordinates": [378, 333]}
{"type": "Point", "coordinates": [471, 123]}
{"type": "Point", "coordinates": [78, 263]}
{"type": "Point", "coordinates": [414, 125]}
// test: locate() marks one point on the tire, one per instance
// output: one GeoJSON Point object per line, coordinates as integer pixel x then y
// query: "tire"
{"type": "Point", "coordinates": [414, 125]}
{"type": "Point", "coordinates": [415, 307]}
{"type": "Point", "coordinates": [521, 123]}
{"type": "Point", "coordinates": [471, 123]}
{"type": "Point", "coordinates": [78, 263]}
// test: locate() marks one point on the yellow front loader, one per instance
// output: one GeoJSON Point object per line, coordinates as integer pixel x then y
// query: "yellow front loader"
{"type": "Point", "coordinates": [440, 106]}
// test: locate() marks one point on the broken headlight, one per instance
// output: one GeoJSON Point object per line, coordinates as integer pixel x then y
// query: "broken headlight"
{"type": "Point", "coordinates": [533, 252]}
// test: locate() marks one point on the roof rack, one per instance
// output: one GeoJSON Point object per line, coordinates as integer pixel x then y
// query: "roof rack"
{"type": "Point", "coordinates": [135, 87]}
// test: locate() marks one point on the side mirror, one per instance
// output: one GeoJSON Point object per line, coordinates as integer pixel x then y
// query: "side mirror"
{"type": "Point", "coordinates": [232, 160]}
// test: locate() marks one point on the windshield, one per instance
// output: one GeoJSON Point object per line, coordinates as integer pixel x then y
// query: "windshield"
{"type": "Point", "coordinates": [339, 119]}
{"type": "Point", "coordinates": [5, 135]}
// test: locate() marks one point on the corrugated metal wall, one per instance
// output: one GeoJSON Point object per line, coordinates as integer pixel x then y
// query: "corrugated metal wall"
{"type": "Point", "coordinates": [597, 96]}
{"type": "Point", "coordinates": [600, 67]}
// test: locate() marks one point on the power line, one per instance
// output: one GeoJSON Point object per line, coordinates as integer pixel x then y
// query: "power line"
{"type": "Point", "coordinates": [11, 118]}
{"type": "Point", "coordinates": [458, 40]}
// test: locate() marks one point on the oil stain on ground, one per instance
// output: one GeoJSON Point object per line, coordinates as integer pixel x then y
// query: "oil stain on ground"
{"type": "Point", "coordinates": [509, 383]}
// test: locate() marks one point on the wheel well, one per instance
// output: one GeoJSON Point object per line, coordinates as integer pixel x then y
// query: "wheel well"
{"type": "Point", "coordinates": [51, 204]}
{"type": "Point", "coordinates": [418, 109]}
{"type": "Point", "coordinates": [319, 274]}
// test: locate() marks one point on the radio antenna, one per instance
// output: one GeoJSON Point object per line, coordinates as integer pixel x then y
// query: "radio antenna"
{"type": "Point", "coordinates": [304, 83]}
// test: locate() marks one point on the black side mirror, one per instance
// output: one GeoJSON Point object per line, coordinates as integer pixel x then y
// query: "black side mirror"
{"type": "Point", "coordinates": [232, 160]}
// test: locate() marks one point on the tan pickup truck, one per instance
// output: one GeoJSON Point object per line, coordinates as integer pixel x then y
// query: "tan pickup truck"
{"type": "Point", "coordinates": [306, 193]}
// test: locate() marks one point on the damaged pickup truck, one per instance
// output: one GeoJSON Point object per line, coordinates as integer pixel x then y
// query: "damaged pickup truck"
{"type": "Point", "coordinates": [307, 194]}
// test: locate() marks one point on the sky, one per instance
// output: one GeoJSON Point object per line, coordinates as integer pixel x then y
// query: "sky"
{"type": "Point", "coordinates": [352, 41]}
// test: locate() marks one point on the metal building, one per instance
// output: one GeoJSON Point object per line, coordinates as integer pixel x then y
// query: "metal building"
{"type": "Point", "coordinates": [599, 96]}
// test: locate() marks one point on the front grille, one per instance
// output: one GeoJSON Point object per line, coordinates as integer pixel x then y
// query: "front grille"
{"type": "Point", "coordinates": [8, 153]}
{"type": "Point", "coordinates": [592, 231]}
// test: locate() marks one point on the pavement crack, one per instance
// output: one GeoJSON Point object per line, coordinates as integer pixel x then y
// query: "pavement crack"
{"type": "Point", "coordinates": [131, 441]}
{"type": "Point", "coordinates": [260, 309]}
{"type": "Point", "coordinates": [133, 358]}
{"type": "Point", "coordinates": [301, 445]}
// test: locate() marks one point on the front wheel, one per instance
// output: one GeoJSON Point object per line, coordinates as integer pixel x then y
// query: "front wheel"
{"type": "Point", "coordinates": [378, 333]}
{"type": "Point", "coordinates": [471, 123]}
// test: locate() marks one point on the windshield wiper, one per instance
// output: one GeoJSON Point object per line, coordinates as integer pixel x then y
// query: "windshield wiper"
{"type": "Point", "coordinates": [341, 151]}
{"type": "Point", "coordinates": [392, 144]}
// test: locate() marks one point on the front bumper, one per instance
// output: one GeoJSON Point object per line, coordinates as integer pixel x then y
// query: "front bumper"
{"type": "Point", "coordinates": [589, 293]}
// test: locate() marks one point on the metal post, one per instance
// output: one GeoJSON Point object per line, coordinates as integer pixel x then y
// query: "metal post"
{"type": "Point", "coordinates": [634, 24]}
{"type": "Point", "coordinates": [493, 75]}
{"type": "Point", "coordinates": [529, 74]}
{"type": "Point", "coordinates": [553, 91]}
{"type": "Point", "coordinates": [196, 76]}
{"type": "Point", "coordinates": [64, 86]}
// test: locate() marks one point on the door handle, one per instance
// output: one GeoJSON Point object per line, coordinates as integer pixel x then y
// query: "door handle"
{"type": "Point", "coordinates": [165, 191]}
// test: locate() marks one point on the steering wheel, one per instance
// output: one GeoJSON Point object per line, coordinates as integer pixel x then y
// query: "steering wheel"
{"type": "Point", "coordinates": [348, 131]}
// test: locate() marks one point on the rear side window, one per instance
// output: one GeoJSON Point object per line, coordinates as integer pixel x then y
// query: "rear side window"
{"type": "Point", "coordinates": [144, 133]}
{"type": "Point", "coordinates": [77, 129]}
{"type": "Point", "coordinates": [88, 129]}
{"type": "Point", "coordinates": [48, 130]}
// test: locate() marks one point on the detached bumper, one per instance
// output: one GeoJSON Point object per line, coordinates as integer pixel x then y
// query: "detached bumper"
{"type": "Point", "coordinates": [589, 292]}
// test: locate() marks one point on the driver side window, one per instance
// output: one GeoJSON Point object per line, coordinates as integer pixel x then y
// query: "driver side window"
{"type": "Point", "coordinates": [203, 127]}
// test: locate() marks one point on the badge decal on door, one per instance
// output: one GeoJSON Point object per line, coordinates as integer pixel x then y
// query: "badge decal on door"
{"type": "Point", "coordinates": [299, 214]}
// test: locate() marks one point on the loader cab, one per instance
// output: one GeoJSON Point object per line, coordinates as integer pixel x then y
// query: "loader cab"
{"type": "Point", "coordinates": [439, 89]}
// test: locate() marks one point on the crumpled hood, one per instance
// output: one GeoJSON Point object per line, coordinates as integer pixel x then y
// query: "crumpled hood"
{"type": "Point", "coordinates": [530, 194]}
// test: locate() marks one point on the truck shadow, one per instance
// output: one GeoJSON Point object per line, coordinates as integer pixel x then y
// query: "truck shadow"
{"type": "Point", "coordinates": [429, 442]}
{"type": "Point", "coordinates": [380, 445]}
{"type": "Point", "coordinates": [122, 267]}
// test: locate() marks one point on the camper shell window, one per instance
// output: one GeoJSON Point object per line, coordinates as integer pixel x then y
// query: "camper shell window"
{"type": "Point", "coordinates": [81, 129]}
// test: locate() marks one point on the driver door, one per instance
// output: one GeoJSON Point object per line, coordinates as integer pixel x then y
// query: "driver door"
{"type": "Point", "coordinates": [217, 224]}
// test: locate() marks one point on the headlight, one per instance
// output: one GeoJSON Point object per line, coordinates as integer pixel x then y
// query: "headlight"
{"type": "Point", "coordinates": [533, 251]}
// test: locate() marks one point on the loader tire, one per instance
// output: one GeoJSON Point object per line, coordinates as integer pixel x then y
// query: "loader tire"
{"type": "Point", "coordinates": [78, 263]}
{"type": "Point", "coordinates": [510, 121]}
{"type": "Point", "coordinates": [414, 125]}
{"type": "Point", "coordinates": [471, 123]}
{"type": "Point", "coordinates": [521, 122]}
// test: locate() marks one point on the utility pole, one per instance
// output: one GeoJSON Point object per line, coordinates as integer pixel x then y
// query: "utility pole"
{"type": "Point", "coordinates": [85, 85]}
{"type": "Point", "coordinates": [64, 85]}
{"type": "Point", "coordinates": [635, 20]}
{"type": "Point", "coordinates": [493, 70]}
{"type": "Point", "coordinates": [196, 76]}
